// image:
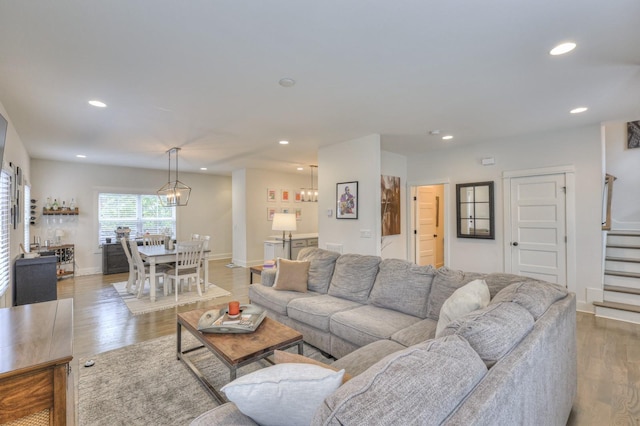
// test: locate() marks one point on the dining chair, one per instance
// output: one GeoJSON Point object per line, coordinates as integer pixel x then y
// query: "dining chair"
{"type": "Point", "coordinates": [187, 266]}
{"type": "Point", "coordinates": [153, 239]}
{"type": "Point", "coordinates": [142, 272]}
{"type": "Point", "coordinates": [132, 266]}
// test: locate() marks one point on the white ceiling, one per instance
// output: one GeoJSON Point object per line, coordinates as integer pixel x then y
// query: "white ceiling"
{"type": "Point", "coordinates": [203, 75]}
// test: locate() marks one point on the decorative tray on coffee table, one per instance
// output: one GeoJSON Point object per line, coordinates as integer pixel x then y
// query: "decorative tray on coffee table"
{"type": "Point", "coordinates": [219, 321]}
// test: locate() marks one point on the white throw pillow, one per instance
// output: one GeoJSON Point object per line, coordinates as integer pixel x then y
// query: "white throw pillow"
{"type": "Point", "coordinates": [283, 394]}
{"type": "Point", "coordinates": [468, 298]}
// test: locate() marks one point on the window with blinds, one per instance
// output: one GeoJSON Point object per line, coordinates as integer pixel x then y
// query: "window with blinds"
{"type": "Point", "coordinates": [142, 213]}
{"type": "Point", "coordinates": [5, 218]}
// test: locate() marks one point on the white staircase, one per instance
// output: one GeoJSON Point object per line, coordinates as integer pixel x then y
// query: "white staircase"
{"type": "Point", "coordinates": [621, 277]}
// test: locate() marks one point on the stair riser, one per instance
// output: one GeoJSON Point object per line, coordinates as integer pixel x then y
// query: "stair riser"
{"type": "Point", "coordinates": [611, 265]}
{"type": "Point", "coordinates": [629, 299]}
{"type": "Point", "coordinates": [622, 281]}
{"type": "Point", "coordinates": [618, 314]}
{"type": "Point", "coordinates": [623, 252]}
{"type": "Point", "coordinates": [629, 240]}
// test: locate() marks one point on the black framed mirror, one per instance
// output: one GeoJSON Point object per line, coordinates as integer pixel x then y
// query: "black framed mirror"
{"type": "Point", "coordinates": [474, 210]}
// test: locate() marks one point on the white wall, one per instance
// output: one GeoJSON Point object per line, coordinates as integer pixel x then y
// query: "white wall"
{"type": "Point", "coordinates": [395, 246]}
{"type": "Point", "coordinates": [355, 160]}
{"type": "Point", "coordinates": [15, 153]}
{"type": "Point", "coordinates": [208, 211]}
{"type": "Point", "coordinates": [256, 228]}
{"type": "Point", "coordinates": [580, 147]}
{"type": "Point", "coordinates": [624, 164]}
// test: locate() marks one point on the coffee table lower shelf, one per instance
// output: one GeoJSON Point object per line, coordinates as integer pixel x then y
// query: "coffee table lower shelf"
{"type": "Point", "coordinates": [234, 350]}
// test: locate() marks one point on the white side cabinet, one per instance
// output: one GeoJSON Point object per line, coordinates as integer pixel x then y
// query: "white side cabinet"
{"type": "Point", "coordinates": [273, 248]}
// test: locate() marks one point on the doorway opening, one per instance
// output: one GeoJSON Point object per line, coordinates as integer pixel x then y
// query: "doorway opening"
{"type": "Point", "coordinates": [429, 225]}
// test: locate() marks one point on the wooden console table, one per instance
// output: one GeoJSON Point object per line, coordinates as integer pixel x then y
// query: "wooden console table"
{"type": "Point", "coordinates": [36, 346]}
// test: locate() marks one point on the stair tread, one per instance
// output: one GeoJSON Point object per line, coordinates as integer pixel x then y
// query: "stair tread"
{"type": "Point", "coordinates": [622, 259]}
{"type": "Point", "coordinates": [620, 306]}
{"type": "Point", "coordinates": [624, 246]}
{"type": "Point", "coordinates": [621, 289]}
{"type": "Point", "coordinates": [624, 233]}
{"type": "Point", "coordinates": [622, 274]}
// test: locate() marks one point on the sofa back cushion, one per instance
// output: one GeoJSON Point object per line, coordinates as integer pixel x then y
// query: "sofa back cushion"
{"type": "Point", "coordinates": [321, 266]}
{"type": "Point", "coordinates": [419, 385]}
{"type": "Point", "coordinates": [536, 296]}
{"type": "Point", "coordinates": [445, 282]}
{"type": "Point", "coordinates": [402, 286]}
{"type": "Point", "coordinates": [353, 277]}
{"type": "Point", "coordinates": [493, 331]}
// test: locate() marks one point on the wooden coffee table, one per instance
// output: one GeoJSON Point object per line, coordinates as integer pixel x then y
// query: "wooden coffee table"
{"type": "Point", "coordinates": [235, 350]}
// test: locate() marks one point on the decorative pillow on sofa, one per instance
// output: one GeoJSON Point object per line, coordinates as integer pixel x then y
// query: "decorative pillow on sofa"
{"type": "Point", "coordinates": [353, 277]}
{"type": "Point", "coordinates": [283, 394]}
{"type": "Point", "coordinates": [291, 275]}
{"type": "Point", "coordinates": [321, 265]}
{"type": "Point", "coordinates": [466, 299]}
{"type": "Point", "coordinates": [444, 284]}
{"type": "Point", "coordinates": [492, 331]}
{"type": "Point", "coordinates": [402, 286]}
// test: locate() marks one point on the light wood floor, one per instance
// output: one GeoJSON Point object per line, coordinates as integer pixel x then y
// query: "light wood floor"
{"type": "Point", "coordinates": [608, 350]}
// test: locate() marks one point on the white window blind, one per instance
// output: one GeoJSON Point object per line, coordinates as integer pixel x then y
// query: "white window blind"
{"type": "Point", "coordinates": [5, 218]}
{"type": "Point", "coordinates": [142, 213]}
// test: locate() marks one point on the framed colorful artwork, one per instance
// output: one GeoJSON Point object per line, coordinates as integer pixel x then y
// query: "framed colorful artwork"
{"type": "Point", "coordinates": [271, 195]}
{"type": "Point", "coordinates": [347, 200]}
{"type": "Point", "coordinates": [270, 212]}
{"type": "Point", "coordinates": [285, 210]}
{"type": "Point", "coordinates": [285, 195]}
{"type": "Point", "coordinates": [298, 196]}
{"type": "Point", "coordinates": [298, 213]}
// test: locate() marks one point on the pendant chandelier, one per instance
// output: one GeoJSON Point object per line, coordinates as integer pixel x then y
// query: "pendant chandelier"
{"type": "Point", "coordinates": [310, 194]}
{"type": "Point", "coordinates": [174, 193]}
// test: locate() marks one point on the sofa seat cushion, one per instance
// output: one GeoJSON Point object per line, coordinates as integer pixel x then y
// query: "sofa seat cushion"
{"type": "Point", "coordinates": [402, 286]}
{"type": "Point", "coordinates": [322, 263]}
{"type": "Point", "coordinates": [493, 331]}
{"type": "Point", "coordinates": [274, 300]}
{"type": "Point", "coordinates": [536, 296]}
{"type": "Point", "coordinates": [422, 384]}
{"type": "Point", "coordinates": [445, 282]}
{"type": "Point", "coordinates": [362, 358]}
{"type": "Point", "coordinates": [316, 311]}
{"type": "Point", "coordinates": [353, 277]}
{"type": "Point", "coordinates": [416, 333]}
{"type": "Point", "coordinates": [367, 324]}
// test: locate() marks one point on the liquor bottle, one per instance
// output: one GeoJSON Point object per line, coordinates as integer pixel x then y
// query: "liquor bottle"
{"type": "Point", "coordinates": [55, 204]}
{"type": "Point", "coordinates": [72, 204]}
{"type": "Point", "coordinates": [48, 205]}
{"type": "Point", "coordinates": [64, 207]}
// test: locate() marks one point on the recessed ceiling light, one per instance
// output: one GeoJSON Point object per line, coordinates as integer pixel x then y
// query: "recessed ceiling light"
{"type": "Point", "coordinates": [97, 103]}
{"type": "Point", "coordinates": [286, 82]}
{"type": "Point", "coordinates": [447, 137]}
{"type": "Point", "coordinates": [203, 168]}
{"type": "Point", "coordinates": [300, 168]}
{"type": "Point", "coordinates": [434, 132]}
{"type": "Point", "coordinates": [563, 48]}
{"type": "Point", "coordinates": [284, 142]}
{"type": "Point", "coordinates": [81, 156]}
{"type": "Point", "coordinates": [578, 110]}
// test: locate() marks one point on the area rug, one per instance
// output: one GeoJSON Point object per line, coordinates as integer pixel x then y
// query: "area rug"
{"type": "Point", "coordinates": [144, 384]}
{"type": "Point", "coordinates": [144, 304]}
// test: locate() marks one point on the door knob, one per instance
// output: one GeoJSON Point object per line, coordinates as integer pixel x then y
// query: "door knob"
{"type": "Point", "coordinates": [515, 243]}
{"type": "Point", "coordinates": [435, 235]}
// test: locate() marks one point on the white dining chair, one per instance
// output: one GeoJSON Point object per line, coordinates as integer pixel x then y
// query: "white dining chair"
{"type": "Point", "coordinates": [187, 266]}
{"type": "Point", "coordinates": [132, 266]}
{"type": "Point", "coordinates": [142, 272]}
{"type": "Point", "coordinates": [153, 239]}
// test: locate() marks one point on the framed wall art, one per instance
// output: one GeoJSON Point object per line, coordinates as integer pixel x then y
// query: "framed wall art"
{"type": "Point", "coordinates": [271, 195]}
{"type": "Point", "coordinates": [347, 200]}
{"type": "Point", "coordinates": [270, 212]}
{"type": "Point", "coordinates": [285, 195]}
{"type": "Point", "coordinates": [390, 205]}
{"type": "Point", "coordinates": [633, 134]}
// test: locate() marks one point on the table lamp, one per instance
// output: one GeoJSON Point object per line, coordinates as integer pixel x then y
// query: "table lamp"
{"type": "Point", "coordinates": [284, 222]}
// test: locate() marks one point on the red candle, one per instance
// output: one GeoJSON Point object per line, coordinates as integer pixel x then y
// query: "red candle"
{"type": "Point", "coordinates": [234, 308]}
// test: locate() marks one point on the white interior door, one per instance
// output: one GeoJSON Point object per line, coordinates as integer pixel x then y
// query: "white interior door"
{"type": "Point", "coordinates": [538, 227]}
{"type": "Point", "coordinates": [426, 229]}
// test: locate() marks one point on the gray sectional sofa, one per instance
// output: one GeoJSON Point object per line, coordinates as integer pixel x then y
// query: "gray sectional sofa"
{"type": "Point", "coordinates": [511, 362]}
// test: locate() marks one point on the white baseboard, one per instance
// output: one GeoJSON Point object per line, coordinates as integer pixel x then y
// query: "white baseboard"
{"type": "Point", "coordinates": [585, 307]}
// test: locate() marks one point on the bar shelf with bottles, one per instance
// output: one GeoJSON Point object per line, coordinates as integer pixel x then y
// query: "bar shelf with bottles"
{"type": "Point", "coordinates": [60, 209]}
{"type": "Point", "coordinates": [65, 211]}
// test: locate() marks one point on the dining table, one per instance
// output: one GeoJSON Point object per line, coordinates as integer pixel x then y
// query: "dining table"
{"type": "Point", "coordinates": [155, 255]}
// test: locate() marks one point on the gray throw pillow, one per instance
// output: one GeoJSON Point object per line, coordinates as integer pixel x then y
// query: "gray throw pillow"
{"type": "Point", "coordinates": [353, 277]}
{"type": "Point", "coordinates": [321, 266]}
{"type": "Point", "coordinates": [402, 286]}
